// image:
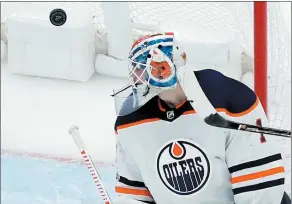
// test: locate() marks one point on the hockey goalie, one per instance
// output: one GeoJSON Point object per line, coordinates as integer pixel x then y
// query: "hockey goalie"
{"type": "Point", "coordinates": [167, 154]}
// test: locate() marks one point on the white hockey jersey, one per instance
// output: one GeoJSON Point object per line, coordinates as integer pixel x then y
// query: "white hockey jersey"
{"type": "Point", "coordinates": [171, 156]}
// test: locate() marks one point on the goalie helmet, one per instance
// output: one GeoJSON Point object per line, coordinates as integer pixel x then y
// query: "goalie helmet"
{"type": "Point", "coordinates": [153, 63]}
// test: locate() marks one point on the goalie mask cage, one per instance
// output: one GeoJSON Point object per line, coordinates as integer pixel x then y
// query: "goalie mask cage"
{"type": "Point", "coordinates": [265, 38]}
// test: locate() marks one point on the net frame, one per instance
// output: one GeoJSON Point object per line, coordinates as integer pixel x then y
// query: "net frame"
{"type": "Point", "coordinates": [260, 53]}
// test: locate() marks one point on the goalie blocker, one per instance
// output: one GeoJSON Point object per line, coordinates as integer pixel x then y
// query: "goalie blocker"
{"type": "Point", "coordinates": [166, 153]}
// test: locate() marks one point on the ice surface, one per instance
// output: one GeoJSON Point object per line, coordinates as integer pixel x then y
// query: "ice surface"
{"type": "Point", "coordinates": [28, 180]}
{"type": "Point", "coordinates": [40, 162]}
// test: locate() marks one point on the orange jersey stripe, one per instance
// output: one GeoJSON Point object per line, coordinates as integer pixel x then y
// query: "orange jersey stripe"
{"type": "Point", "coordinates": [181, 104]}
{"type": "Point", "coordinates": [189, 112]}
{"type": "Point", "coordinates": [138, 192]}
{"type": "Point", "coordinates": [241, 113]}
{"type": "Point", "coordinates": [137, 123]}
{"type": "Point", "coordinates": [257, 175]}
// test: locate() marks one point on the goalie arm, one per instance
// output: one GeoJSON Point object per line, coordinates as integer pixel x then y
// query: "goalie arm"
{"type": "Point", "coordinates": [130, 187]}
{"type": "Point", "coordinates": [254, 160]}
{"type": "Point", "coordinates": [256, 168]}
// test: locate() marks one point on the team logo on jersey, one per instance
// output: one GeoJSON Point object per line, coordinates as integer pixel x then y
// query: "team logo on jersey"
{"type": "Point", "coordinates": [170, 114]}
{"type": "Point", "coordinates": [183, 167]}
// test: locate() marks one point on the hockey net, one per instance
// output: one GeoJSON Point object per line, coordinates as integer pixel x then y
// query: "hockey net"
{"type": "Point", "coordinates": [236, 15]}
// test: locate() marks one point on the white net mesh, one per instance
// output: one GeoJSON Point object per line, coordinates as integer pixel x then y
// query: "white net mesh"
{"type": "Point", "coordinates": [236, 15]}
{"type": "Point", "coordinates": [197, 14]}
{"type": "Point", "coordinates": [279, 68]}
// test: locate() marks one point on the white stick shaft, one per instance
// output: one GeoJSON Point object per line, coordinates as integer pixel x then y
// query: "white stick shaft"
{"type": "Point", "coordinates": [193, 91]}
{"type": "Point", "coordinates": [74, 131]}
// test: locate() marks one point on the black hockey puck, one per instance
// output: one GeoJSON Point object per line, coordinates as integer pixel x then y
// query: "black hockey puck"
{"type": "Point", "coordinates": [58, 17]}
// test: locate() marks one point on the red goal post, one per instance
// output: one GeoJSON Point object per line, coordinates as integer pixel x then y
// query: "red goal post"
{"type": "Point", "coordinates": [260, 52]}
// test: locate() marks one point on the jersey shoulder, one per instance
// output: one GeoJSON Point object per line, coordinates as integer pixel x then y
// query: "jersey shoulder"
{"type": "Point", "coordinates": [226, 93]}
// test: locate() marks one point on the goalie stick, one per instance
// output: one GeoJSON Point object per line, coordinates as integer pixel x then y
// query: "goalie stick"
{"type": "Point", "coordinates": [74, 131]}
{"type": "Point", "coordinates": [205, 110]}
{"type": "Point", "coordinates": [218, 121]}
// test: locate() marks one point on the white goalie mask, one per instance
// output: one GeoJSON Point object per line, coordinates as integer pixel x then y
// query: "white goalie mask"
{"type": "Point", "coordinates": [153, 63]}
